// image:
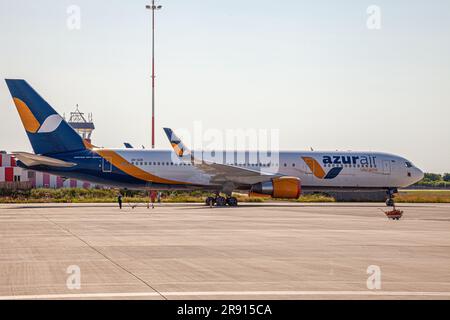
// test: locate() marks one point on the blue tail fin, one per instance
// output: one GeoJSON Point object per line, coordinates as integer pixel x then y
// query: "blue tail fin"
{"type": "Point", "coordinates": [48, 132]}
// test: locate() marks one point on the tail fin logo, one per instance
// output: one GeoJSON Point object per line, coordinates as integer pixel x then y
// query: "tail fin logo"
{"type": "Point", "coordinates": [178, 150]}
{"type": "Point", "coordinates": [318, 171]}
{"type": "Point", "coordinates": [176, 143]}
{"type": "Point", "coordinates": [30, 122]}
{"type": "Point", "coordinates": [50, 124]}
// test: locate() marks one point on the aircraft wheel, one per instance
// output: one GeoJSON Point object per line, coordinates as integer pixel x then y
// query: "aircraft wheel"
{"type": "Point", "coordinates": [210, 201]}
{"type": "Point", "coordinates": [221, 201]}
{"type": "Point", "coordinates": [232, 202]}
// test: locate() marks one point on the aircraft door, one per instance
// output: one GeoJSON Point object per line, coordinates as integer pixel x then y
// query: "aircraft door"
{"type": "Point", "coordinates": [106, 164]}
{"type": "Point", "coordinates": [386, 167]}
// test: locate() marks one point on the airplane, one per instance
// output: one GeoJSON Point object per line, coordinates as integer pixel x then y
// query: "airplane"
{"type": "Point", "coordinates": [59, 150]}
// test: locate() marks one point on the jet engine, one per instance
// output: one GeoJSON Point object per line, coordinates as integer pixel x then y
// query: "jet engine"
{"type": "Point", "coordinates": [283, 187]}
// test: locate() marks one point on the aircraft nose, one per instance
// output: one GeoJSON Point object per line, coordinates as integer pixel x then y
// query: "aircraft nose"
{"type": "Point", "coordinates": [419, 174]}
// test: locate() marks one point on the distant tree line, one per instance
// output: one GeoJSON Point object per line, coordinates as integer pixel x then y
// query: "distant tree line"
{"type": "Point", "coordinates": [434, 180]}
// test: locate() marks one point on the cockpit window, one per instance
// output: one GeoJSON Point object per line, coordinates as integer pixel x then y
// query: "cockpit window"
{"type": "Point", "coordinates": [408, 164]}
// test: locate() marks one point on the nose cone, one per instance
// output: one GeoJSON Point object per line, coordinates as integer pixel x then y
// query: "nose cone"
{"type": "Point", "coordinates": [418, 175]}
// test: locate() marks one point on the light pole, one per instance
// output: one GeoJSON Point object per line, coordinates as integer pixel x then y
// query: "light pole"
{"type": "Point", "coordinates": [153, 7]}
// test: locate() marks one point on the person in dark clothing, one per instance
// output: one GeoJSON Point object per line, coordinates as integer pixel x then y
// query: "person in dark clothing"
{"type": "Point", "coordinates": [119, 200]}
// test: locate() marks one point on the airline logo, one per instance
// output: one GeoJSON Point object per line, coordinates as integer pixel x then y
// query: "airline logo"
{"type": "Point", "coordinates": [176, 143]}
{"type": "Point", "coordinates": [31, 124]}
{"type": "Point", "coordinates": [340, 161]}
{"type": "Point", "coordinates": [50, 124]}
{"type": "Point", "coordinates": [318, 170]}
{"type": "Point", "coordinates": [350, 160]}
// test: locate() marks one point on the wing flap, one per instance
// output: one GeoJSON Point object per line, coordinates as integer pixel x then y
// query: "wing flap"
{"type": "Point", "coordinates": [227, 173]}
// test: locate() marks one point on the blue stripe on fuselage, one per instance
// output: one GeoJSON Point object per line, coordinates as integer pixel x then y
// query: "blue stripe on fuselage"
{"type": "Point", "coordinates": [89, 168]}
{"type": "Point", "coordinates": [333, 173]}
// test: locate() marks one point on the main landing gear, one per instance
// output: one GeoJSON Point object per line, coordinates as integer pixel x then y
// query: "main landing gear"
{"type": "Point", "coordinates": [220, 201]}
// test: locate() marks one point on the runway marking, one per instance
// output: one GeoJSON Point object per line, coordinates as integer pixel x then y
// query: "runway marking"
{"type": "Point", "coordinates": [225, 293]}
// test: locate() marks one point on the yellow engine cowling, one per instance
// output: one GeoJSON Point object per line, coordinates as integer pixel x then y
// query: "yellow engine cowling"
{"type": "Point", "coordinates": [283, 187]}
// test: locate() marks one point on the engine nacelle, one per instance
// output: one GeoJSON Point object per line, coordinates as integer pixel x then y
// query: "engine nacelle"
{"type": "Point", "coordinates": [283, 187]}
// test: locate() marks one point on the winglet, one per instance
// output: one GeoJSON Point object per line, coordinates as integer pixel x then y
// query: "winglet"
{"type": "Point", "coordinates": [180, 149]}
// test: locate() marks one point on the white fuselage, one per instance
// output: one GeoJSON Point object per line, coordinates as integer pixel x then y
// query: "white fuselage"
{"type": "Point", "coordinates": [358, 169]}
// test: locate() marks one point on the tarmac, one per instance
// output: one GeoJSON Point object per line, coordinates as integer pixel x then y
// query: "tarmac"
{"type": "Point", "coordinates": [254, 251]}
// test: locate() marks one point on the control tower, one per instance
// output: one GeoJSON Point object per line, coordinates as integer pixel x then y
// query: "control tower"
{"type": "Point", "coordinates": [80, 124]}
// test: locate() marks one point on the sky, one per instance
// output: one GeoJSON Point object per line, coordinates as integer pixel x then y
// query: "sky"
{"type": "Point", "coordinates": [311, 69]}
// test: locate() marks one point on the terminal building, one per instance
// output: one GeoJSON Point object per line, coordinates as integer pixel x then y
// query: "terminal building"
{"type": "Point", "coordinates": [14, 177]}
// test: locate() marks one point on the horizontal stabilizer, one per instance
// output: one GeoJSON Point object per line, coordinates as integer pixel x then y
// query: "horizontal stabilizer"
{"type": "Point", "coordinates": [128, 145]}
{"type": "Point", "coordinates": [32, 160]}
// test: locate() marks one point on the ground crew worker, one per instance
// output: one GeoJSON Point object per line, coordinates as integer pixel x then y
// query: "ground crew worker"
{"type": "Point", "coordinates": [153, 198]}
{"type": "Point", "coordinates": [119, 200]}
{"type": "Point", "coordinates": [159, 197]}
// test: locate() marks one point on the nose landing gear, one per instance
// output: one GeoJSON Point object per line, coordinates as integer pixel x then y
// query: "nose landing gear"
{"type": "Point", "coordinates": [390, 201]}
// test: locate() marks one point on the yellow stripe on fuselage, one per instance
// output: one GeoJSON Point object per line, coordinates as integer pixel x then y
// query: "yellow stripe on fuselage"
{"type": "Point", "coordinates": [122, 164]}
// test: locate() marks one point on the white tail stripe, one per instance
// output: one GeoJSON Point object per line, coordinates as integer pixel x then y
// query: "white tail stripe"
{"type": "Point", "coordinates": [50, 124]}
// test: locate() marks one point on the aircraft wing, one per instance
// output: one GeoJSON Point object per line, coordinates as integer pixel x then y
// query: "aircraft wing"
{"type": "Point", "coordinates": [220, 173]}
{"type": "Point", "coordinates": [31, 160]}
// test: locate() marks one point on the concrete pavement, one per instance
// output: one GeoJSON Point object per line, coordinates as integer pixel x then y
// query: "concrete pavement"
{"type": "Point", "coordinates": [255, 251]}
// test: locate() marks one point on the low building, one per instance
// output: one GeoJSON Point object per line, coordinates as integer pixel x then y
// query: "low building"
{"type": "Point", "coordinates": [14, 177]}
